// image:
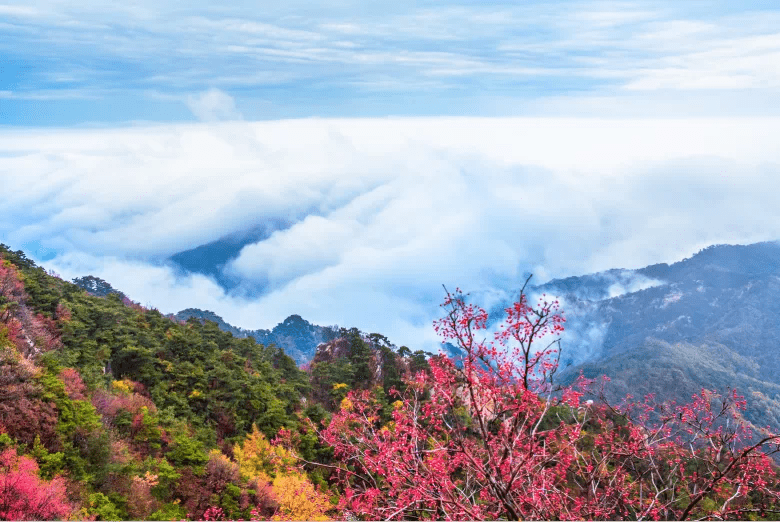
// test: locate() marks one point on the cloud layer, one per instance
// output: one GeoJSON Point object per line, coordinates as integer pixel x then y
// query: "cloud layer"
{"type": "Point", "coordinates": [382, 212]}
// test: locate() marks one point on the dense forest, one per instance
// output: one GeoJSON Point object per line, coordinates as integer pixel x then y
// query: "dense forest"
{"type": "Point", "coordinates": [119, 412]}
{"type": "Point", "coordinates": [109, 410]}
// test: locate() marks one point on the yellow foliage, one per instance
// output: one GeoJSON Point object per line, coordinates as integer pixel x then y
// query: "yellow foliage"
{"type": "Point", "coordinates": [339, 386]}
{"type": "Point", "coordinates": [216, 454]}
{"type": "Point", "coordinates": [258, 458]}
{"type": "Point", "coordinates": [397, 405]}
{"type": "Point", "coordinates": [346, 404]}
{"type": "Point", "coordinates": [195, 394]}
{"type": "Point", "coordinates": [124, 386]}
{"type": "Point", "coordinates": [299, 499]}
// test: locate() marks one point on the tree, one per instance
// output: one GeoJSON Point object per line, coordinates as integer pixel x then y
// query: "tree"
{"type": "Point", "coordinates": [298, 498]}
{"type": "Point", "coordinates": [23, 496]}
{"type": "Point", "coordinates": [295, 496]}
{"type": "Point", "coordinates": [492, 436]}
{"type": "Point", "coordinates": [259, 459]}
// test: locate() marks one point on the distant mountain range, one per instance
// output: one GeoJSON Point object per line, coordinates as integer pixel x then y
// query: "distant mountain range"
{"type": "Point", "coordinates": [296, 336]}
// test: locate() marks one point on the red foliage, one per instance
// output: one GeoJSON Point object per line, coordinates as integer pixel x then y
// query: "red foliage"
{"type": "Point", "coordinates": [214, 513]}
{"type": "Point", "coordinates": [191, 489]}
{"type": "Point", "coordinates": [265, 501]}
{"type": "Point", "coordinates": [15, 333]}
{"type": "Point", "coordinates": [42, 331]}
{"type": "Point", "coordinates": [31, 333]}
{"type": "Point", "coordinates": [23, 496]}
{"type": "Point", "coordinates": [492, 437]}
{"type": "Point", "coordinates": [23, 412]}
{"type": "Point", "coordinates": [11, 289]}
{"type": "Point", "coordinates": [143, 503]}
{"type": "Point", "coordinates": [74, 386]}
{"type": "Point", "coordinates": [62, 313]}
{"type": "Point", "coordinates": [133, 305]}
{"type": "Point", "coordinates": [109, 405]}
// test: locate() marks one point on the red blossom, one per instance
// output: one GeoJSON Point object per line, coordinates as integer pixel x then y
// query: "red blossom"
{"type": "Point", "coordinates": [492, 436]}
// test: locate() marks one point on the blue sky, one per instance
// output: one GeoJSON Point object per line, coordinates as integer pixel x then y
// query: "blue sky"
{"type": "Point", "coordinates": [67, 63]}
{"type": "Point", "coordinates": [382, 149]}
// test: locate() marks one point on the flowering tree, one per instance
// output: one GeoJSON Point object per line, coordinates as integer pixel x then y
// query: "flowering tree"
{"type": "Point", "coordinates": [492, 436]}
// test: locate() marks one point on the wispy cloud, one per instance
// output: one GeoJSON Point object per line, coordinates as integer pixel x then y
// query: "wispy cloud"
{"type": "Point", "coordinates": [514, 53]}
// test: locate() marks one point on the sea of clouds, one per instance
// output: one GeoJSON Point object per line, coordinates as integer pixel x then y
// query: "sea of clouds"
{"type": "Point", "coordinates": [372, 216]}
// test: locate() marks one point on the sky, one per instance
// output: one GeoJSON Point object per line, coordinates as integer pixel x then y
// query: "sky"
{"type": "Point", "coordinates": [382, 149]}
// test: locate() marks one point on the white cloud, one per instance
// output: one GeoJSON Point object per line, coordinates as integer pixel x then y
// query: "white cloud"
{"type": "Point", "coordinates": [213, 105]}
{"type": "Point", "coordinates": [384, 211]}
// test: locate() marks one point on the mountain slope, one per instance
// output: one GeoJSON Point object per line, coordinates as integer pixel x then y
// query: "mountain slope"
{"type": "Point", "coordinates": [134, 414]}
{"type": "Point", "coordinates": [709, 320]}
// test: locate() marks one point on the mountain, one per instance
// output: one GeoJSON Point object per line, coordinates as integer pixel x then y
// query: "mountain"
{"type": "Point", "coordinates": [208, 315]}
{"type": "Point", "coordinates": [355, 361]}
{"type": "Point", "coordinates": [211, 258]}
{"type": "Point", "coordinates": [712, 319]}
{"type": "Point", "coordinates": [296, 336]}
{"type": "Point", "coordinates": [725, 294]}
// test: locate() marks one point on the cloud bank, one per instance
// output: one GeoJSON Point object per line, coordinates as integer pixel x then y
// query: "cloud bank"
{"type": "Point", "coordinates": [379, 213]}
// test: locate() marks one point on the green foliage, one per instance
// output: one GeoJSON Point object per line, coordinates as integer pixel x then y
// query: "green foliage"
{"type": "Point", "coordinates": [311, 448]}
{"type": "Point", "coordinates": [49, 464]}
{"type": "Point", "coordinates": [316, 413]}
{"type": "Point", "coordinates": [187, 451]}
{"type": "Point", "coordinates": [206, 376]}
{"type": "Point", "coordinates": [7, 442]}
{"type": "Point", "coordinates": [418, 362]}
{"type": "Point", "coordinates": [101, 507]}
{"type": "Point", "coordinates": [169, 511]}
{"type": "Point", "coordinates": [229, 501]}
{"type": "Point", "coordinates": [166, 476]}
{"type": "Point", "coordinates": [326, 375]}
{"type": "Point", "coordinates": [359, 354]}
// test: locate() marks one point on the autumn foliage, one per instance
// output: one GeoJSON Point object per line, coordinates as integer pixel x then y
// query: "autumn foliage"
{"type": "Point", "coordinates": [293, 495]}
{"type": "Point", "coordinates": [492, 436]}
{"type": "Point", "coordinates": [23, 496]}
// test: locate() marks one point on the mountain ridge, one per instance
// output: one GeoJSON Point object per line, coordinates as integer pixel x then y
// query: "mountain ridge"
{"type": "Point", "coordinates": [296, 336]}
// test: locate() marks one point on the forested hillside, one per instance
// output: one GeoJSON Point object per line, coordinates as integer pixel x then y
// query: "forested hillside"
{"type": "Point", "coordinates": [133, 413]}
{"type": "Point", "coordinates": [109, 410]}
{"type": "Point", "coordinates": [120, 412]}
